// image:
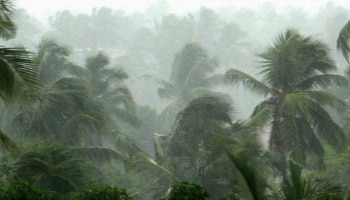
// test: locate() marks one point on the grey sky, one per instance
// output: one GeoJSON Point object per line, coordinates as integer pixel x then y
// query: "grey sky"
{"type": "Point", "coordinates": [40, 7]}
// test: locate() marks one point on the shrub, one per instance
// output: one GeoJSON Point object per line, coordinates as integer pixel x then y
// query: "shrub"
{"type": "Point", "coordinates": [187, 191]}
{"type": "Point", "coordinates": [102, 193]}
{"type": "Point", "coordinates": [20, 190]}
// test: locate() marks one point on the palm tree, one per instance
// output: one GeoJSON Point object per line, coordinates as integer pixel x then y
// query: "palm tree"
{"type": "Point", "coordinates": [293, 71]}
{"type": "Point", "coordinates": [52, 167]}
{"type": "Point", "coordinates": [107, 85]}
{"type": "Point", "coordinates": [65, 109]}
{"type": "Point", "coordinates": [17, 74]}
{"type": "Point", "coordinates": [190, 77]}
{"type": "Point", "coordinates": [194, 151]}
{"type": "Point", "coordinates": [299, 186]}
{"type": "Point", "coordinates": [65, 112]}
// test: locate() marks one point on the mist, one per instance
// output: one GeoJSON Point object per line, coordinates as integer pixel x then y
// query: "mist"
{"type": "Point", "coordinates": [242, 100]}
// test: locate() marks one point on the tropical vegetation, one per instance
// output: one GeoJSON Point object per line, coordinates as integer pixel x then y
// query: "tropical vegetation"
{"type": "Point", "coordinates": [80, 117]}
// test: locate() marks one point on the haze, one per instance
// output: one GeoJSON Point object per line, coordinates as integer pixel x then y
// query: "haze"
{"type": "Point", "coordinates": [40, 7]}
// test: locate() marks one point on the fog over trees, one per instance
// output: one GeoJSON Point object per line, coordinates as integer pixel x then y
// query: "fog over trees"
{"type": "Point", "coordinates": [214, 103]}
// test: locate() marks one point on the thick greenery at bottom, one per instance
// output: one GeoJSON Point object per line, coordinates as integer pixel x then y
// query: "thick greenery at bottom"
{"type": "Point", "coordinates": [21, 190]}
{"type": "Point", "coordinates": [24, 191]}
{"type": "Point", "coordinates": [187, 191]}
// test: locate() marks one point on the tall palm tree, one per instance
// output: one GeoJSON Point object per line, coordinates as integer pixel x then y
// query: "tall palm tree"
{"type": "Point", "coordinates": [293, 71]}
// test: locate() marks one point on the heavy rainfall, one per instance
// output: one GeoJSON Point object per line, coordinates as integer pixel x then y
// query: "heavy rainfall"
{"type": "Point", "coordinates": [158, 101]}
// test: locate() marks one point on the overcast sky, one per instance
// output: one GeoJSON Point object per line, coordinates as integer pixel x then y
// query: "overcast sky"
{"type": "Point", "coordinates": [40, 7]}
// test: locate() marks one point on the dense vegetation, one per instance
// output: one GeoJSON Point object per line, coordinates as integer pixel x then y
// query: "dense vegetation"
{"type": "Point", "coordinates": [81, 117]}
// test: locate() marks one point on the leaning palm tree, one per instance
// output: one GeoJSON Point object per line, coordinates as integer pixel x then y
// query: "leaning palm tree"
{"type": "Point", "coordinates": [17, 74]}
{"type": "Point", "coordinates": [293, 70]}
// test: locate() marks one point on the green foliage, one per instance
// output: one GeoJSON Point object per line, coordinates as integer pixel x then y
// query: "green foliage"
{"type": "Point", "coordinates": [102, 193]}
{"type": "Point", "coordinates": [230, 197]}
{"type": "Point", "coordinates": [343, 41]}
{"type": "Point", "coordinates": [188, 191]}
{"type": "Point", "coordinates": [293, 70]}
{"type": "Point", "coordinates": [21, 190]}
{"type": "Point", "coordinates": [52, 166]}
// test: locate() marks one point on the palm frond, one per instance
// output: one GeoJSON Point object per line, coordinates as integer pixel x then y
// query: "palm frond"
{"type": "Point", "coordinates": [149, 167]}
{"type": "Point", "coordinates": [252, 178]}
{"type": "Point", "coordinates": [326, 128]}
{"type": "Point", "coordinates": [126, 116]}
{"type": "Point", "coordinates": [343, 41]}
{"type": "Point", "coordinates": [205, 110]}
{"type": "Point", "coordinates": [49, 166]}
{"type": "Point", "coordinates": [166, 90]}
{"type": "Point", "coordinates": [294, 58]}
{"type": "Point", "coordinates": [322, 98]}
{"type": "Point", "coordinates": [115, 74]}
{"type": "Point", "coordinates": [260, 118]}
{"type": "Point", "coordinates": [322, 81]}
{"type": "Point", "coordinates": [236, 76]}
{"type": "Point", "coordinates": [125, 144]}
{"type": "Point", "coordinates": [297, 186]}
{"type": "Point", "coordinates": [17, 71]}
{"type": "Point", "coordinates": [100, 154]}
{"type": "Point", "coordinates": [7, 26]}
{"type": "Point", "coordinates": [9, 144]}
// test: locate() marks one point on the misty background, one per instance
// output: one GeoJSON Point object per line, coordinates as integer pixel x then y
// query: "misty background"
{"type": "Point", "coordinates": [123, 70]}
{"type": "Point", "coordinates": [144, 37]}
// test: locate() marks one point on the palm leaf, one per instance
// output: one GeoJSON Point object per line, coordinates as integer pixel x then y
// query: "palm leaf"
{"type": "Point", "coordinates": [252, 178]}
{"type": "Point", "coordinates": [17, 71]}
{"type": "Point", "coordinates": [126, 116]}
{"type": "Point", "coordinates": [298, 187]}
{"type": "Point", "coordinates": [321, 81]}
{"type": "Point", "coordinates": [167, 89]}
{"type": "Point", "coordinates": [322, 98]}
{"type": "Point", "coordinates": [326, 128]}
{"type": "Point", "coordinates": [149, 167]}
{"type": "Point", "coordinates": [7, 27]}
{"type": "Point", "coordinates": [9, 144]}
{"type": "Point", "coordinates": [100, 154]}
{"type": "Point", "coordinates": [343, 41]}
{"type": "Point", "coordinates": [51, 167]}
{"type": "Point", "coordinates": [236, 76]}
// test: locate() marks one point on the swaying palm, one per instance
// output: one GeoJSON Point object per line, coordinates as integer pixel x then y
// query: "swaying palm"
{"type": "Point", "coordinates": [293, 70]}
{"type": "Point", "coordinates": [190, 77]}
{"type": "Point", "coordinates": [16, 70]}
{"type": "Point", "coordinates": [108, 86]}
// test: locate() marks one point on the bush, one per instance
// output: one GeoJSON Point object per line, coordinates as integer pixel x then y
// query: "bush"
{"type": "Point", "coordinates": [102, 193]}
{"type": "Point", "coordinates": [187, 191]}
{"type": "Point", "coordinates": [21, 190]}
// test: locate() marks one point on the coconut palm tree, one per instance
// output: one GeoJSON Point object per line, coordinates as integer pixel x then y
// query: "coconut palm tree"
{"type": "Point", "coordinates": [189, 78]}
{"type": "Point", "coordinates": [293, 71]}
{"type": "Point", "coordinates": [107, 85]}
{"type": "Point", "coordinates": [52, 167]}
{"type": "Point", "coordinates": [17, 74]}
{"type": "Point", "coordinates": [65, 109]}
